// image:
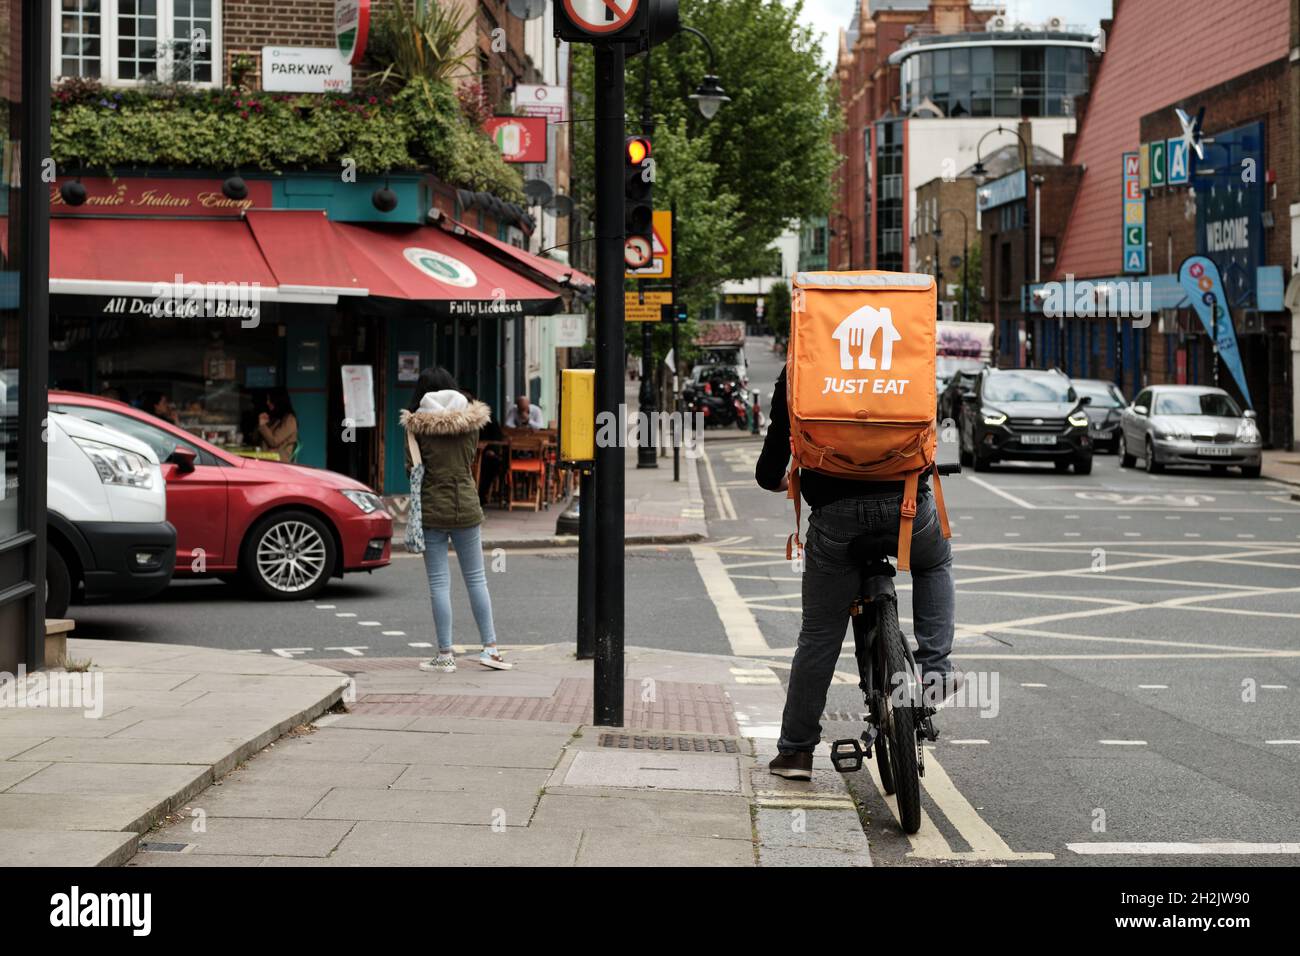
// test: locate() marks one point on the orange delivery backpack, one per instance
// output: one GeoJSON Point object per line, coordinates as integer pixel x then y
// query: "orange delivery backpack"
{"type": "Point", "coordinates": [860, 385]}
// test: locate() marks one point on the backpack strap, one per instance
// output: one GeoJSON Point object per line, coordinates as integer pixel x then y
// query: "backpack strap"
{"type": "Point", "coordinates": [938, 500]}
{"type": "Point", "coordinates": [906, 514]}
{"type": "Point", "coordinates": [793, 548]}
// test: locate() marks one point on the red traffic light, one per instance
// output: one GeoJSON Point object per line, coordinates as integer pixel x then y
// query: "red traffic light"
{"type": "Point", "coordinates": [636, 150]}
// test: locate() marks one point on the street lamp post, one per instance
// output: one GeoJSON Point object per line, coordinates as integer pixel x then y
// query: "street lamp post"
{"type": "Point", "coordinates": [981, 177]}
{"type": "Point", "coordinates": [848, 232]}
{"type": "Point", "coordinates": [965, 255]}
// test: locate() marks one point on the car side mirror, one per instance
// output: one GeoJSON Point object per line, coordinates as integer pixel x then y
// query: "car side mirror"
{"type": "Point", "coordinates": [1086, 400]}
{"type": "Point", "coordinates": [1140, 410]}
{"type": "Point", "coordinates": [1249, 413]}
{"type": "Point", "coordinates": [183, 459]}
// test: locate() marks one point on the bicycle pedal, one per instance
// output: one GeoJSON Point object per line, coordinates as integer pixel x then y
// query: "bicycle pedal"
{"type": "Point", "coordinates": [846, 755]}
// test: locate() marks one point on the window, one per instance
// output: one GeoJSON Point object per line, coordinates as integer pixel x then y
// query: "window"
{"type": "Point", "coordinates": [160, 440]}
{"type": "Point", "coordinates": [127, 41]}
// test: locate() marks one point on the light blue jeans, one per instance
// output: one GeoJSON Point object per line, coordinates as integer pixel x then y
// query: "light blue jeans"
{"type": "Point", "coordinates": [469, 552]}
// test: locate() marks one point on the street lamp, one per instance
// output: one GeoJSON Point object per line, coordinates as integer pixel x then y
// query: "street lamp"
{"type": "Point", "coordinates": [980, 174]}
{"type": "Point", "coordinates": [848, 232]}
{"type": "Point", "coordinates": [965, 255]}
{"type": "Point", "coordinates": [709, 95]}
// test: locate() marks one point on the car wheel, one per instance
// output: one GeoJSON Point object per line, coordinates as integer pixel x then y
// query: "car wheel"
{"type": "Point", "coordinates": [1125, 459]}
{"type": "Point", "coordinates": [981, 463]}
{"type": "Point", "coordinates": [1083, 466]}
{"type": "Point", "coordinates": [1250, 471]}
{"type": "Point", "coordinates": [963, 456]}
{"type": "Point", "coordinates": [1153, 467]}
{"type": "Point", "coordinates": [289, 556]}
{"type": "Point", "coordinates": [58, 584]}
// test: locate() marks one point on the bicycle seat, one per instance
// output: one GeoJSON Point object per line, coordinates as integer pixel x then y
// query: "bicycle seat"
{"type": "Point", "coordinates": [871, 554]}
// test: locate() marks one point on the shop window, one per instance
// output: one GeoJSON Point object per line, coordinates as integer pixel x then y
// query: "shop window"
{"type": "Point", "coordinates": [1049, 251]}
{"type": "Point", "coordinates": [1004, 271]}
{"type": "Point", "coordinates": [128, 41]}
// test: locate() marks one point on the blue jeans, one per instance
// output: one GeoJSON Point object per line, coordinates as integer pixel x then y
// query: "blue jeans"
{"type": "Point", "coordinates": [469, 552]}
{"type": "Point", "coordinates": [831, 581]}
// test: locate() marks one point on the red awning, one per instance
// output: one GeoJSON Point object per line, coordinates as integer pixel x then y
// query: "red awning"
{"type": "Point", "coordinates": [558, 272]}
{"type": "Point", "coordinates": [304, 251]}
{"type": "Point", "coordinates": [428, 264]}
{"type": "Point", "coordinates": [129, 256]}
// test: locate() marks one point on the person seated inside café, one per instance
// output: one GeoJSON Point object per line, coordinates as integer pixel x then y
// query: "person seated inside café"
{"type": "Point", "coordinates": [159, 405]}
{"type": "Point", "coordinates": [277, 426]}
{"type": "Point", "coordinates": [524, 414]}
{"type": "Point", "coordinates": [491, 463]}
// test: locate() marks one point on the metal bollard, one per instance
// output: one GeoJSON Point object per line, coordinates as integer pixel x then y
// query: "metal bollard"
{"type": "Point", "coordinates": [753, 412]}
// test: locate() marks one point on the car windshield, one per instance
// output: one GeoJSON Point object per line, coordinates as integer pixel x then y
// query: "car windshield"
{"type": "Point", "coordinates": [1103, 396]}
{"type": "Point", "coordinates": [1196, 403]}
{"type": "Point", "coordinates": [161, 441]}
{"type": "Point", "coordinates": [1026, 388]}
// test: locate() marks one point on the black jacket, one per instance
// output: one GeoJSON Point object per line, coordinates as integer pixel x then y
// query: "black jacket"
{"type": "Point", "coordinates": [815, 488]}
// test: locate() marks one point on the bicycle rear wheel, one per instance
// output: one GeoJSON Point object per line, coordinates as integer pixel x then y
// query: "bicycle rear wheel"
{"type": "Point", "coordinates": [900, 725]}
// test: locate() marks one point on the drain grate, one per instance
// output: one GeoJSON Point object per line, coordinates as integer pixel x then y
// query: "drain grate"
{"type": "Point", "coordinates": [690, 745]}
{"type": "Point", "coordinates": [164, 847]}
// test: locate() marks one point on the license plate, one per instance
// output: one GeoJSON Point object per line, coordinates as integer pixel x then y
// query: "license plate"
{"type": "Point", "coordinates": [1214, 451]}
{"type": "Point", "coordinates": [1096, 432]}
{"type": "Point", "coordinates": [1038, 439]}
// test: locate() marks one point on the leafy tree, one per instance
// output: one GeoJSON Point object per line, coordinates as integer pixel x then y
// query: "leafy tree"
{"type": "Point", "coordinates": [778, 309]}
{"type": "Point", "coordinates": [766, 158]}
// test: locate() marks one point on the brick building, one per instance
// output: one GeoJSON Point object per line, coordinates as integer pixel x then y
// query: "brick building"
{"type": "Point", "coordinates": [946, 230]}
{"type": "Point", "coordinates": [1233, 205]}
{"type": "Point", "coordinates": [925, 85]}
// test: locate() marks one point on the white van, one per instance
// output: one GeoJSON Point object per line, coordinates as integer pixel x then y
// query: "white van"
{"type": "Point", "coordinates": [107, 529]}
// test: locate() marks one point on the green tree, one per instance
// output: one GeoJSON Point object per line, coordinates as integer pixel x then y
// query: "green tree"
{"type": "Point", "coordinates": [765, 160]}
{"type": "Point", "coordinates": [778, 309]}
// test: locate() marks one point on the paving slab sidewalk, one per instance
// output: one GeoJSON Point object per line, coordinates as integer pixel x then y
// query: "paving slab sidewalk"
{"type": "Point", "coordinates": [1282, 466]}
{"type": "Point", "coordinates": [488, 767]}
{"type": "Point", "coordinates": [153, 725]}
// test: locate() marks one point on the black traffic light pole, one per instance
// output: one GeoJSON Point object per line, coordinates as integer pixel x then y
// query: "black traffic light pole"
{"type": "Point", "coordinates": [608, 667]}
{"type": "Point", "coordinates": [646, 452]}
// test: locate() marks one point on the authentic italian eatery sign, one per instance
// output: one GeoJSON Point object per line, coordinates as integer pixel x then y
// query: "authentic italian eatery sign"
{"type": "Point", "coordinates": [159, 197]}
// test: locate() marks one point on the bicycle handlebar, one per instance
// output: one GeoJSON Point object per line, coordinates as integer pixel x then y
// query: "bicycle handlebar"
{"type": "Point", "coordinates": [951, 468]}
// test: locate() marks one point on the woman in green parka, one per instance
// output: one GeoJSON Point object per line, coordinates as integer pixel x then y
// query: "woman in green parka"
{"type": "Point", "coordinates": [444, 425]}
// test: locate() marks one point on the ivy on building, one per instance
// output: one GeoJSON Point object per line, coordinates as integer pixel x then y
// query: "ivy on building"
{"type": "Point", "coordinates": [95, 128]}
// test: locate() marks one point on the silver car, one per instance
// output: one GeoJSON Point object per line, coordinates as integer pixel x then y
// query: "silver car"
{"type": "Point", "coordinates": [1189, 425]}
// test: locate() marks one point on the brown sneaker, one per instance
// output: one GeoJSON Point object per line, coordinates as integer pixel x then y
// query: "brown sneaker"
{"type": "Point", "coordinates": [795, 766]}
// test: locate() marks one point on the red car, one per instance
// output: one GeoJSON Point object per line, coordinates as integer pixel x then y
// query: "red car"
{"type": "Point", "coordinates": [287, 529]}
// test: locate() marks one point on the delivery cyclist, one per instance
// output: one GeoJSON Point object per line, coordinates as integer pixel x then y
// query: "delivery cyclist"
{"type": "Point", "coordinates": [844, 509]}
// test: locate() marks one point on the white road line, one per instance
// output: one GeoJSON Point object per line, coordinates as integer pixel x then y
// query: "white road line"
{"type": "Point", "coordinates": [1283, 742]}
{"type": "Point", "coordinates": [1123, 743]}
{"type": "Point", "coordinates": [737, 619]}
{"type": "Point", "coordinates": [370, 624]}
{"type": "Point", "coordinates": [1153, 686]}
{"type": "Point", "coordinates": [1002, 494]}
{"type": "Point", "coordinates": [721, 497]}
{"type": "Point", "coordinates": [326, 607]}
{"type": "Point", "coordinates": [1183, 849]}
{"type": "Point", "coordinates": [397, 634]}
{"type": "Point", "coordinates": [418, 644]}
{"type": "Point", "coordinates": [345, 614]}
{"type": "Point", "coordinates": [1272, 686]}
{"type": "Point", "coordinates": [350, 651]}
{"type": "Point", "coordinates": [968, 742]}
{"type": "Point", "coordinates": [1033, 685]}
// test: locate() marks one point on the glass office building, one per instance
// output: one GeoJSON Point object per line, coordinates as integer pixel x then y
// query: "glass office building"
{"type": "Point", "coordinates": [995, 74]}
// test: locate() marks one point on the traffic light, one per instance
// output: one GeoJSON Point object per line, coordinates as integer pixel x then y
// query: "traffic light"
{"type": "Point", "coordinates": [637, 24]}
{"type": "Point", "coordinates": [638, 202]}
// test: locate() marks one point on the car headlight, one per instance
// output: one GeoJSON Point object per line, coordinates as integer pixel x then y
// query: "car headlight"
{"type": "Point", "coordinates": [1078, 420]}
{"type": "Point", "coordinates": [1248, 431]}
{"type": "Point", "coordinates": [117, 466]}
{"type": "Point", "coordinates": [367, 501]}
{"type": "Point", "coordinates": [994, 418]}
{"type": "Point", "coordinates": [1173, 432]}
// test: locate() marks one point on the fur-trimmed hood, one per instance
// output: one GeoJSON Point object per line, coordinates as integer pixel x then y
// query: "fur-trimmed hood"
{"type": "Point", "coordinates": [447, 412]}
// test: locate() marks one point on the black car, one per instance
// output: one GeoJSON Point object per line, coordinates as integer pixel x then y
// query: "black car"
{"type": "Point", "coordinates": [961, 384]}
{"type": "Point", "coordinates": [1024, 415]}
{"type": "Point", "coordinates": [1103, 410]}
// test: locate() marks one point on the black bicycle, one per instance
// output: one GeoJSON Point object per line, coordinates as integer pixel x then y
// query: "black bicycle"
{"type": "Point", "coordinates": [899, 720]}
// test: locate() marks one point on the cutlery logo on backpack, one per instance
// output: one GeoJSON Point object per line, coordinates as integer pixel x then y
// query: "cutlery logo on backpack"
{"type": "Point", "coordinates": [859, 331]}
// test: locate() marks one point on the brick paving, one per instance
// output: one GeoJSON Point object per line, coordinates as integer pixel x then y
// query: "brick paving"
{"type": "Point", "coordinates": [676, 705]}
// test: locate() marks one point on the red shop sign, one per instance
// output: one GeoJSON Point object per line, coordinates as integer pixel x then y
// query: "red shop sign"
{"type": "Point", "coordinates": [521, 139]}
